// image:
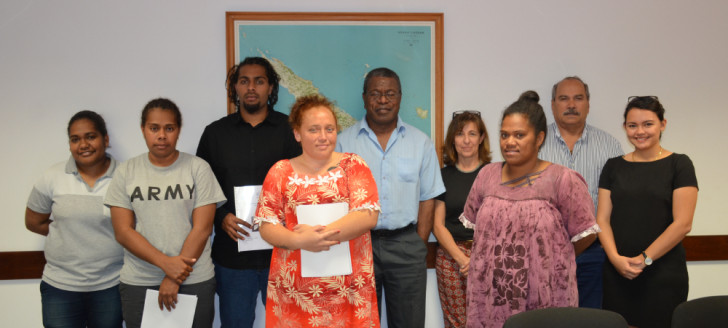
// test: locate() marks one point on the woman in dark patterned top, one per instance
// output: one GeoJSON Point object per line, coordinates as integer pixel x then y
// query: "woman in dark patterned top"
{"type": "Point", "coordinates": [531, 217]}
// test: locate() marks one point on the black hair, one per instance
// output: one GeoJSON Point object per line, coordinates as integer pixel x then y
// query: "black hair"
{"type": "Point", "coordinates": [270, 73]}
{"type": "Point", "coordinates": [381, 72]}
{"type": "Point", "coordinates": [528, 106]}
{"type": "Point", "coordinates": [650, 103]}
{"type": "Point", "coordinates": [95, 118]}
{"type": "Point", "coordinates": [163, 104]}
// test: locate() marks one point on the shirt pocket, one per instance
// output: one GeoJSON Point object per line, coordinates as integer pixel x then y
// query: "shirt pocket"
{"type": "Point", "coordinates": [407, 169]}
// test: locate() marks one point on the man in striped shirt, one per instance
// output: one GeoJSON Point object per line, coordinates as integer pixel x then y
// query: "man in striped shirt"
{"type": "Point", "coordinates": [584, 148]}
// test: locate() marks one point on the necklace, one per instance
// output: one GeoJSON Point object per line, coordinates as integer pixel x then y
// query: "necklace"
{"type": "Point", "coordinates": [529, 177]}
{"type": "Point", "coordinates": [656, 157]}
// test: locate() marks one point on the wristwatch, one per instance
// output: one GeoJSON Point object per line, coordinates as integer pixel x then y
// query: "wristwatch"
{"type": "Point", "coordinates": [648, 260]}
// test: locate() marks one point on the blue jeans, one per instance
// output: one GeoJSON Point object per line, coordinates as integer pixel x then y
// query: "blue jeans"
{"type": "Point", "coordinates": [589, 266]}
{"type": "Point", "coordinates": [238, 292]}
{"type": "Point", "coordinates": [62, 308]}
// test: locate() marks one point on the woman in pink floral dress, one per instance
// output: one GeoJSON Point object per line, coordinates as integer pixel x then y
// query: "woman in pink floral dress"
{"type": "Point", "coordinates": [318, 176]}
{"type": "Point", "coordinates": [530, 218]}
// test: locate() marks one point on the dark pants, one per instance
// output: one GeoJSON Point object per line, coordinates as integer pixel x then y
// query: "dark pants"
{"type": "Point", "coordinates": [238, 291]}
{"type": "Point", "coordinates": [400, 269]}
{"type": "Point", "coordinates": [62, 308]}
{"type": "Point", "coordinates": [589, 268]}
{"type": "Point", "coordinates": [132, 302]}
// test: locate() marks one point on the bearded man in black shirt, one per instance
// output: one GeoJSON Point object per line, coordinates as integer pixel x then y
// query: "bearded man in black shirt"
{"type": "Point", "coordinates": [241, 147]}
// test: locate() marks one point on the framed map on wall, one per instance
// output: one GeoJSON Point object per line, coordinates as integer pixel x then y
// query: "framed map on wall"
{"type": "Point", "coordinates": [331, 53]}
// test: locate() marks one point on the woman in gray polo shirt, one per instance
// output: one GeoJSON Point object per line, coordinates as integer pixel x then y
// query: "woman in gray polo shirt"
{"type": "Point", "coordinates": [80, 280]}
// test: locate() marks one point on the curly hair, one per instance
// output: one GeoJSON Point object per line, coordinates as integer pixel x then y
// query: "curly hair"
{"type": "Point", "coordinates": [304, 103]}
{"type": "Point", "coordinates": [270, 73]}
{"type": "Point", "coordinates": [381, 72]}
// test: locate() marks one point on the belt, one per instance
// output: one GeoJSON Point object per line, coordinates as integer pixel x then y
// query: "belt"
{"type": "Point", "coordinates": [386, 233]}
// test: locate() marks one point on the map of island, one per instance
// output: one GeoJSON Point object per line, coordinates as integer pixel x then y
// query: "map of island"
{"type": "Point", "coordinates": [333, 60]}
{"type": "Point", "coordinates": [299, 87]}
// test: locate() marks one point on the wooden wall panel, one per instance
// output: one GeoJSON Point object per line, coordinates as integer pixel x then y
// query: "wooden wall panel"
{"type": "Point", "coordinates": [29, 265]}
{"type": "Point", "coordinates": [21, 265]}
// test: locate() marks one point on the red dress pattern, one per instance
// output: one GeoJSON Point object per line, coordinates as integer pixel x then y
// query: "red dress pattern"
{"type": "Point", "coordinates": [338, 301]}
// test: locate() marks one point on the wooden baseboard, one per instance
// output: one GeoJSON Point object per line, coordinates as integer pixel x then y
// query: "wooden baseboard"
{"type": "Point", "coordinates": [29, 265]}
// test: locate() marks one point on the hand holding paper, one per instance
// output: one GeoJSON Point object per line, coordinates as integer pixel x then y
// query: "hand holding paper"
{"type": "Point", "coordinates": [181, 317]}
{"type": "Point", "coordinates": [246, 200]}
{"type": "Point", "coordinates": [337, 260]}
{"type": "Point", "coordinates": [314, 238]}
{"type": "Point", "coordinates": [168, 294]}
{"type": "Point", "coordinates": [234, 227]}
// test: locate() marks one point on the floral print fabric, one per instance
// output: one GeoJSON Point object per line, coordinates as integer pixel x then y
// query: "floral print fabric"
{"type": "Point", "coordinates": [451, 285]}
{"type": "Point", "coordinates": [338, 301]}
{"type": "Point", "coordinates": [522, 257]}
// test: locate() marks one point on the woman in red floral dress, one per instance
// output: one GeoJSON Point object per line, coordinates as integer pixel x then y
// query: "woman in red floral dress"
{"type": "Point", "coordinates": [319, 176]}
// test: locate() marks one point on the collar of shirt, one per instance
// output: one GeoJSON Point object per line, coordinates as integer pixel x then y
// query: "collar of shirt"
{"type": "Point", "coordinates": [71, 167]}
{"type": "Point", "coordinates": [271, 118]}
{"type": "Point", "coordinates": [583, 138]}
{"type": "Point", "coordinates": [363, 127]}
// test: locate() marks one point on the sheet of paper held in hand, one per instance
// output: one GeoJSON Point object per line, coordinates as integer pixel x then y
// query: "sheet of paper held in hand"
{"type": "Point", "coordinates": [180, 317]}
{"type": "Point", "coordinates": [246, 200]}
{"type": "Point", "coordinates": [337, 260]}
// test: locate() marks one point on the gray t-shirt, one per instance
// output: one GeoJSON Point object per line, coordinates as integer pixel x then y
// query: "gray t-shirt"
{"type": "Point", "coordinates": [81, 252]}
{"type": "Point", "coordinates": [163, 199]}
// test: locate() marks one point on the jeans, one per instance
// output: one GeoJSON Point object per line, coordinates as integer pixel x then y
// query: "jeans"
{"type": "Point", "coordinates": [238, 293]}
{"type": "Point", "coordinates": [61, 308]}
{"type": "Point", "coordinates": [589, 266]}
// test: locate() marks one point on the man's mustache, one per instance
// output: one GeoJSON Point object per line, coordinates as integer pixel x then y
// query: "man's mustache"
{"type": "Point", "coordinates": [571, 111]}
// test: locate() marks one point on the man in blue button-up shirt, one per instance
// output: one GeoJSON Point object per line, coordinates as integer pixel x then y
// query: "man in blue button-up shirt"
{"type": "Point", "coordinates": [405, 166]}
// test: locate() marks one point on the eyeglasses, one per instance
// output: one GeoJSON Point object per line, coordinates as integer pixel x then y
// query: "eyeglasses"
{"type": "Point", "coordinates": [390, 95]}
{"type": "Point", "coordinates": [630, 98]}
{"type": "Point", "coordinates": [474, 112]}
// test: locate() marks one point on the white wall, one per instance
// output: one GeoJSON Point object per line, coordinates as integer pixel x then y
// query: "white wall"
{"type": "Point", "coordinates": [57, 57]}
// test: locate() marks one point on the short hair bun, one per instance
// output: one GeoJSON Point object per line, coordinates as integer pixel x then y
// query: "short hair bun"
{"type": "Point", "coordinates": [530, 96]}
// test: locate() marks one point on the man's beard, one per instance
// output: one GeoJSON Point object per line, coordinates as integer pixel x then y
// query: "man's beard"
{"type": "Point", "coordinates": [253, 108]}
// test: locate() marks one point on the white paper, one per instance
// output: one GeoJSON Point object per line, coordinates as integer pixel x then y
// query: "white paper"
{"type": "Point", "coordinates": [337, 260]}
{"type": "Point", "coordinates": [180, 317]}
{"type": "Point", "coordinates": [246, 200]}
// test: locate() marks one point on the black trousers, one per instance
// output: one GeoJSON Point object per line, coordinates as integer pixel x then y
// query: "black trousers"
{"type": "Point", "coordinates": [400, 269]}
